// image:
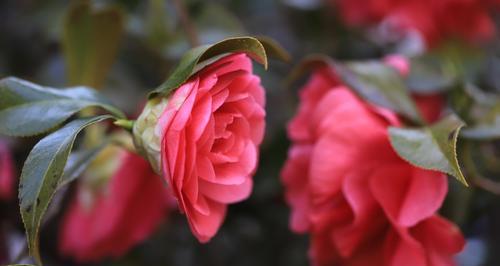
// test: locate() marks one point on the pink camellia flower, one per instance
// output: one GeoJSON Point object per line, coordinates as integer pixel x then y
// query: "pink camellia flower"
{"type": "Point", "coordinates": [107, 220]}
{"type": "Point", "coordinates": [468, 20]}
{"type": "Point", "coordinates": [361, 203]}
{"type": "Point", "coordinates": [6, 172]}
{"type": "Point", "coordinates": [204, 139]}
{"type": "Point", "coordinates": [399, 63]}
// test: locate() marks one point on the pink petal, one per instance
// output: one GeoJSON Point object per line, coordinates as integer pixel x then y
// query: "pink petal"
{"type": "Point", "coordinates": [230, 63]}
{"type": "Point", "coordinates": [119, 218]}
{"type": "Point", "coordinates": [204, 227]}
{"type": "Point", "coordinates": [205, 168]}
{"type": "Point", "coordinates": [369, 219]}
{"type": "Point", "coordinates": [408, 194]}
{"type": "Point", "coordinates": [398, 62]}
{"type": "Point", "coordinates": [441, 239]}
{"type": "Point", "coordinates": [431, 106]}
{"type": "Point", "coordinates": [402, 249]}
{"type": "Point", "coordinates": [236, 173]}
{"type": "Point", "coordinates": [320, 83]}
{"type": "Point", "coordinates": [295, 178]}
{"type": "Point", "coordinates": [200, 117]}
{"type": "Point", "coordinates": [226, 193]}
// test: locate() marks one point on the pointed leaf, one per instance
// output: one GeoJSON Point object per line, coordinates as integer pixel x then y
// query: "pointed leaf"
{"type": "Point", "coordinates": [91, 39]}
{"type": "Point", "coordinates": [39, 117]}
{"type": "Point", "coordinates": [41, 174]}
{"type": "Point", "coordinates": [432, 147]}
{"type": "Point", "coordinates": [198, 57]}
{"type": "Point", "coordinates": [33, 109]}
{"type": "Point", "coordinates": [379, 84]}
{"type": "Point", "coordinates": [15, 91]}
{"type": "Point", "coordinates": [427, 76]}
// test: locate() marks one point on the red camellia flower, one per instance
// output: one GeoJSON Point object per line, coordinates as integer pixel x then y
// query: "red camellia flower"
{"type": "Point", "coordinates": [361, 203]}
{"type": "Point", "coordinates": [204, 139]}
{"type": "Point", "coordinates": [465, 19]}
{"type": "Point", "coordinates": [109, 220]}
{"type": "Point", "coordinates": [6, 172]}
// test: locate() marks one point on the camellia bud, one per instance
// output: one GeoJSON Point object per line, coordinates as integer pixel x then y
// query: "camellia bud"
{"type": "Point", "coordinates": [107, 217]}
{"type": "Point", "coordinates": [147, 135]}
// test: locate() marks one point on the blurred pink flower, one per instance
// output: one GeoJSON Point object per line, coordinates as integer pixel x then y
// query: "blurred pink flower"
{"type": "Point", "coordinates": [361, 203]}
{"type": "Point", "coordinates": [6, 172]}
{"type": "Point", "coordinates": [113, 220]}
{"type": "Point", "coordinates": [398, 62]}
{"type": "Point", "coordinates": [210, 132]}
{"type": "Point", "coordinates": [468, 20]}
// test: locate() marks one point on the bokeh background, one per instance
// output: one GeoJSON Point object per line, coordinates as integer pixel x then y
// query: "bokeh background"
{"type": "Point", "coordinates": [255, 231]}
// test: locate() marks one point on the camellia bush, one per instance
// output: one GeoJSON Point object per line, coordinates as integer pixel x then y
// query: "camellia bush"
{"type": "Point", "coordinates": [163, 133]}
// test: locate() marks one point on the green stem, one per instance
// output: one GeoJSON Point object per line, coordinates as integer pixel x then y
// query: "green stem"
{"type": "Point", "coordinates": [125, 124]}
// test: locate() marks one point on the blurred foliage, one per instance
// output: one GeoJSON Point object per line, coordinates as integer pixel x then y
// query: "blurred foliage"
{"type": "Point", "coordinates": [90, 41]}
{"type": "Point", "coordinates": [145, 41]}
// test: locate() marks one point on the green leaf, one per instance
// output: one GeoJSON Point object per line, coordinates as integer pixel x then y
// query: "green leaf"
{"type": "Point", "coordinates": [311, 62]}
{"type": "Point", "coordinates": [77, 162]}
{"type": "Point", "coordinates": [432, 147]}
{"type": "Point", "coordinates": [91, 38]}
{"type": "Point", "coordinates": [460, 60]}
{"type": "Point", "coordinates": [379, 84]}
{"type": "Point", "coordinates": [445, 67]}
{"type": "Point", "coordinates": [198, 57]}
{"type": "Point", "coordinates": [372, 80]}
{"type": "Point", "coordinates": [41, 175]}
{"type": "Point", "coordinates": [32, 109]}
{"type": "Point", "coordinates": [427, 76]}
{"type": "Point", "coordinates": [15, 91]}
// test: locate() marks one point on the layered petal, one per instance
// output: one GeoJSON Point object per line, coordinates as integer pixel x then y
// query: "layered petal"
{"type": "Point", "coordinates": [294, 176]}
{"type": "Point", "coordinates": [408, 194]}
{"type": "Point", "coordinates": [347, 187]}
{"type": "Point", "coordinates": [210, 130]}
